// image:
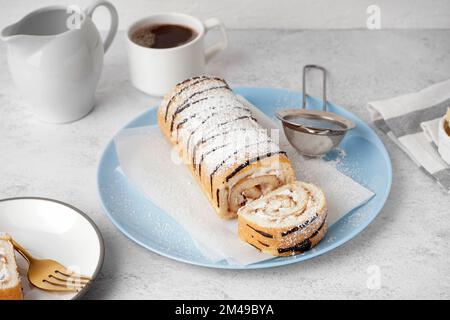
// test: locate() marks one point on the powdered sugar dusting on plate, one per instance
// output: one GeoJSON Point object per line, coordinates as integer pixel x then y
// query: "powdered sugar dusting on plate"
{"type": "Point", "coordinates": [171, 187]}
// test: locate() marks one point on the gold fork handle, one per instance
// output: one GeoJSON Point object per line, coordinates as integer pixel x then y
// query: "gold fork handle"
{"type": "Point", "coordinates": [22, 251]}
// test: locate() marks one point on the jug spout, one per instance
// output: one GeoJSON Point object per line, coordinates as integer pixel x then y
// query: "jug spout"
{"type": "Point", "coordinates": [16, 39]}
{"type": "Point", "coordinates": [12, 35]}
{"type": "Point", "coordinates": [9, 33]}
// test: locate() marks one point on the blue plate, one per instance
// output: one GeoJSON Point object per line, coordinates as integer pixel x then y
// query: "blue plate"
{"type": "Point", "coordinates": [143, 222]}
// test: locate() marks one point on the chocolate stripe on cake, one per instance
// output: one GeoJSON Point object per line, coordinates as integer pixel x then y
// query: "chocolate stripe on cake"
{"type": "Point", "coordinates": [202, 111]}
{"type": "Point", "coordinates": [264, 244]}
{"type": "Point", "coordinates": [303, 225]}
{"type": "Point", "coordinates": [217, 197]}
{"type": "Point", "coordinates": [228, 158]}
{"type": "Point", "coordinates": [183, 121]}
{"type": "Point", "coordinates": [186, 105]}
{"type": "Point", "coordinates": [203, 157]}
{"type": "Point", "coordinates": [204, 140]}
{"type": "Point", "coordinates": [179, 125]}
{"type": "Point", "coordinates": [201, 124]}
{"type": "Point", "coordinates": [190, 79]}
{"type": "Point", "coordinates": [301, 247]}
{"type": "Point", "coordinates": [305, 244]}
{"type": "Point", "coordinates": [265, 234]}
{"type": "Point", "coordinates": [220, 107]}
{"type": "Point", "coordinates": [219, 125]}
{"type": "Point", "coordinates": [202, 78]}
{"type": "Point", "coordinates": [248, 162]}
{"type": "Point", "coordinates": [210, 109]}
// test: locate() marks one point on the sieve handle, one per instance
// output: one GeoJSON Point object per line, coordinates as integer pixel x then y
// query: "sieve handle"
{"type": "Point", "coordinates": [324, 85]}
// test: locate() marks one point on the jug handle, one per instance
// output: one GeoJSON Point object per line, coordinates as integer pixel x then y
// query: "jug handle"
{"type": "Point", "coordinates": [114, 20]}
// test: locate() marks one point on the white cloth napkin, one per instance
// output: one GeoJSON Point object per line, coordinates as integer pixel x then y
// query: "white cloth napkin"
{"type": "Point", "coordinates": [431, 130]}
{"type": "Point", "coordinates": [401, 118]}
{"type": "Point", "coordinates": [151, 164]}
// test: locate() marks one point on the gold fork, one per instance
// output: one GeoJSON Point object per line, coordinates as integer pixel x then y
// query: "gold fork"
{"type": "Point", "coordinates": [50, 275]}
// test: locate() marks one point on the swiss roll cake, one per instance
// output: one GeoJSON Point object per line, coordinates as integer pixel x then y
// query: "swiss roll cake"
{"type": "Point", "coordinates": [286, 221]}
{"type": "Point", "coordinates": [230, 155]}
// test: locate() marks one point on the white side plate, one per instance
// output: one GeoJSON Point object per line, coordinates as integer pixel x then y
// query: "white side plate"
{"type": "Point", "coordinates": [53, 230]}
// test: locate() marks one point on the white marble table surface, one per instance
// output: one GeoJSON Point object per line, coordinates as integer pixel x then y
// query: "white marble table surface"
{"type": "Point", "coordinates": [409, 241]}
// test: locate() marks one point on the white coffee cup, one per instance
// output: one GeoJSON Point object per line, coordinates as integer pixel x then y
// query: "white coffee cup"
{"type": "Point", "coordinates": [156, 71]}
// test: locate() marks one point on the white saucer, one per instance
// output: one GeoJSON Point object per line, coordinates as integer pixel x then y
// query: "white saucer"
{"type": "Point", "coordinates": [53, 230]}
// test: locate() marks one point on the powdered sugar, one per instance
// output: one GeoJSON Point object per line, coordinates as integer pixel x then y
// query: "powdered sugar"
{"type": "Point", "coordinates": [145, 158]}
{"type": "Point", "coordinates": [214, 127]}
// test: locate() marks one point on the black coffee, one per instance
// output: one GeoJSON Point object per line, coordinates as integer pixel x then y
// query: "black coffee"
{"type": "Point", "coordinates": [163, 36]}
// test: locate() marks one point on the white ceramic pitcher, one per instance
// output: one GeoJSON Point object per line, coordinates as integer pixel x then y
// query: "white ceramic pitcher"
{"type": "Point", "coordinates": [55, 56]}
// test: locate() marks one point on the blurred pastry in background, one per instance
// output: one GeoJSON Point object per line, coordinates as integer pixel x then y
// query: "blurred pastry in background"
{"type": "Point", "coordinates": [447, 122]}
{"type": "Point", "coordinates": [10, 286]}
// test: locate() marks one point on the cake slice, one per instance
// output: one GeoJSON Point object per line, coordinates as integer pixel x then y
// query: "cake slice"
{"type": "Point", "coordinates": [10, 287]}
{"type": "Point", "coordinates": [286, 221]}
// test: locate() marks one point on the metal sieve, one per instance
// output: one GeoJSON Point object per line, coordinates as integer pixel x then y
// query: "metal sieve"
{"type": "Point", "coordinates": [313, 132]}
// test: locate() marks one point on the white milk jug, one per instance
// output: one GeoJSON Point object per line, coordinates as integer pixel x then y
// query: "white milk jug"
{"type": "Point", "coordinates": [55, 56]}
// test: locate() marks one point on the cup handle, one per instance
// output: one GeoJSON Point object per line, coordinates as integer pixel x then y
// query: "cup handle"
{"type": "Point", "coordinates": [222, 44]}
{"type": "Point", "coordinates": [114, 20]}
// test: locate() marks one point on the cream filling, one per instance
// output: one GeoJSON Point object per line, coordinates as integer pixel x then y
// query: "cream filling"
{"type": "Point", "coordinates": [276, 170]}
{"type": "Point", "coordinates": [4, 273]}
{"type": "Point", "coordinates": [251, 188]}
{"type": "Point", "coordinates": [283, 204]}
{"type": "Point", "coordinates": [288, 205]}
